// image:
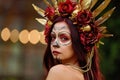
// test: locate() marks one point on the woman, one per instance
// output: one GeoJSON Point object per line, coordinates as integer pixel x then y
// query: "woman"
{"type": "Point", "coordinates": [72, 35]}
{"type": "Point", "coordinates": [65, 49]}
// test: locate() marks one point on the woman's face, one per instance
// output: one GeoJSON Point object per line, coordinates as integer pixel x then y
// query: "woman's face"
{"type": "Point", "coordinates": [61, 44]}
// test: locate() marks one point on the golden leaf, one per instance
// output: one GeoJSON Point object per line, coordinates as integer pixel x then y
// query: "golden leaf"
{"type": "Point", "coordinates": [47, 3]}
{"type": "Point", "coordinates": [85, 4]}
{"type": "Point", "coordinates": [55, 3]}
{"type": "Point", "coordinates": [100, 42]}
{"type": "Point", "coordinates": [41, 21]}
{"type": "Point", "coordinates": [102, 29]}
{"type": "Point", "coordinates": [107, 35]}
{"type": "Point", "coordinates": [100, 8]}
{"type": "Point", "coordinates": [39, 10]}
{"type": "Point", "coordinates": [103, 18]}
{"type": "Point", "coordinates": [93, 3]}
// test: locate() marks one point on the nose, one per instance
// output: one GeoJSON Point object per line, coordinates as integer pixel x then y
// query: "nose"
{"type": "Point", "coordinates": [55, 44]}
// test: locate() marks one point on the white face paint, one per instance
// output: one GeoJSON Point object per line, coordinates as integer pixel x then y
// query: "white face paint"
{"type": "Point", "coordinates": [61, 44]}
{"type": "Point", "coordinates": [63, 38]}
{"type": "Point", "coordinates": [61, 35]}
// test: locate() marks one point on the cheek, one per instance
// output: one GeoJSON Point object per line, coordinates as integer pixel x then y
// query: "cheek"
{"type": "Point", "coordinates": [68, 51]}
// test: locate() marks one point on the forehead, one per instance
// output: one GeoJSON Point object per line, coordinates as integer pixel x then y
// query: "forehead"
{"type": "Point", "coordinates": [61, 26]}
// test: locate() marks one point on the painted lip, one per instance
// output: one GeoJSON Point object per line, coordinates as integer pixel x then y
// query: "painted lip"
{"type": "Point", "coordinates": [56, 52]}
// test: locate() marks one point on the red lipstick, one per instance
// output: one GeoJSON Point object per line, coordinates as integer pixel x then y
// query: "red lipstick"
{"type": "Point", "coordinates": [56, 52]}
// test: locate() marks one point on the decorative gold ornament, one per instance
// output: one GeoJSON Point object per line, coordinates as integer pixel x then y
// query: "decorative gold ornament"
{"type": "Point", "coordinates": [85, 4]}
{"type": "Point", "coordinates": [86, 28]}
{"type": "Point", "coordinates": [80, 5]}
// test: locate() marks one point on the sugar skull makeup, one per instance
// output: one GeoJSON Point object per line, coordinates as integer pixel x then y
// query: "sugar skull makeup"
{"type": "Point", "coordinates": [61, 43]}
{"type": "Point", "coordinates": [60, 35]}
{"type": "Point", "coordinates": [62, 38]}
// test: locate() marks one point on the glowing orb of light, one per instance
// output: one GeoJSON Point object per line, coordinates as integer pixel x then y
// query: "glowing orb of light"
{"type": "Point", "coordinates": [34, 36]}
{"type": "Point", "coordinates": [23, 36]}
{"type": "Point", "coordinates": [14, 35]}
{"type": "Point", "coordinates": [5, 34]}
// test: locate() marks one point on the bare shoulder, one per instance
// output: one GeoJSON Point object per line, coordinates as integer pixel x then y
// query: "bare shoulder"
{"type": "Point", "coordinates": [58, 68]}
{"type": "Point", "coordinates": [62, 72]}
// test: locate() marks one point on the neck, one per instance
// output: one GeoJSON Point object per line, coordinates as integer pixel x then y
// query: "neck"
{"type": "Point", "coordinates": [72, 62]}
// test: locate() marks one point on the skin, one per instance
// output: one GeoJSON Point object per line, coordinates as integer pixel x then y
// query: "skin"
{"type": "Point", "coordinates": [62, 72]}
{"type": "Point", "coordinates": [61, 37]}
{"type": "Point", "coordinates": [62, 46]}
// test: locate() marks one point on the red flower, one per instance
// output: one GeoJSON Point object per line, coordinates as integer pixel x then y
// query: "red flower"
{"type": "Point", "coordinates": [84, 17]}
{"type": "Point", "coordinates": [66, 8]}
{"type": "Point", "coordinates": [50, 12]}
{"type": "Point", "coordinates": [88, 39]}
{"type": "Point", "coordinates": [47, 29]}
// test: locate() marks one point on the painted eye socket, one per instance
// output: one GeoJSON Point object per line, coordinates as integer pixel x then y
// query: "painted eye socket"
{"type": "Point", "coordinates": [64, 38]}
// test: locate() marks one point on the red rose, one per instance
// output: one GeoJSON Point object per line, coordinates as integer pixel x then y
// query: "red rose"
{"type": "Point", "coordinates": [88, 39]}
{"type": "Point", "coordinates": [50, 12]}
{"type": "Point", "coordinates": [84, 17]}
{"type": "Point", "coordinates": [66, 8]}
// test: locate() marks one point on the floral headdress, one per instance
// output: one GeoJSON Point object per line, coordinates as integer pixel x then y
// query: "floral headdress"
{"type": "Point", "coordinates": [80, 12]}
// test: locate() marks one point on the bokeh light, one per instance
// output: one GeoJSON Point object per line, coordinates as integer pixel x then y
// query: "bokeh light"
{"type": "Point", "coordinates": [5, 34]}
{"type": "Point", "coordinates": [34, 36]}
{"type": "Point", "coordinates": [23, 36]}
{"type": "Point", "coordinates": [14, 35]}
{"type": "Point", "coordinates": [42, 37]}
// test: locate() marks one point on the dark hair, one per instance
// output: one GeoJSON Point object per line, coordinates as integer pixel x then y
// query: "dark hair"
{"type": "Point", "coordinates": [78, 49]}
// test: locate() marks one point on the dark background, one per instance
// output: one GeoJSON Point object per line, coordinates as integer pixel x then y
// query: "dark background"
{"type": "Point", "coordinates": [20, 61]}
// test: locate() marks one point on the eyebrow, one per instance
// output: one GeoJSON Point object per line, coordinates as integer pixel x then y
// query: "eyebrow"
{"type": "Point", "coordinates": [59, 28]}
